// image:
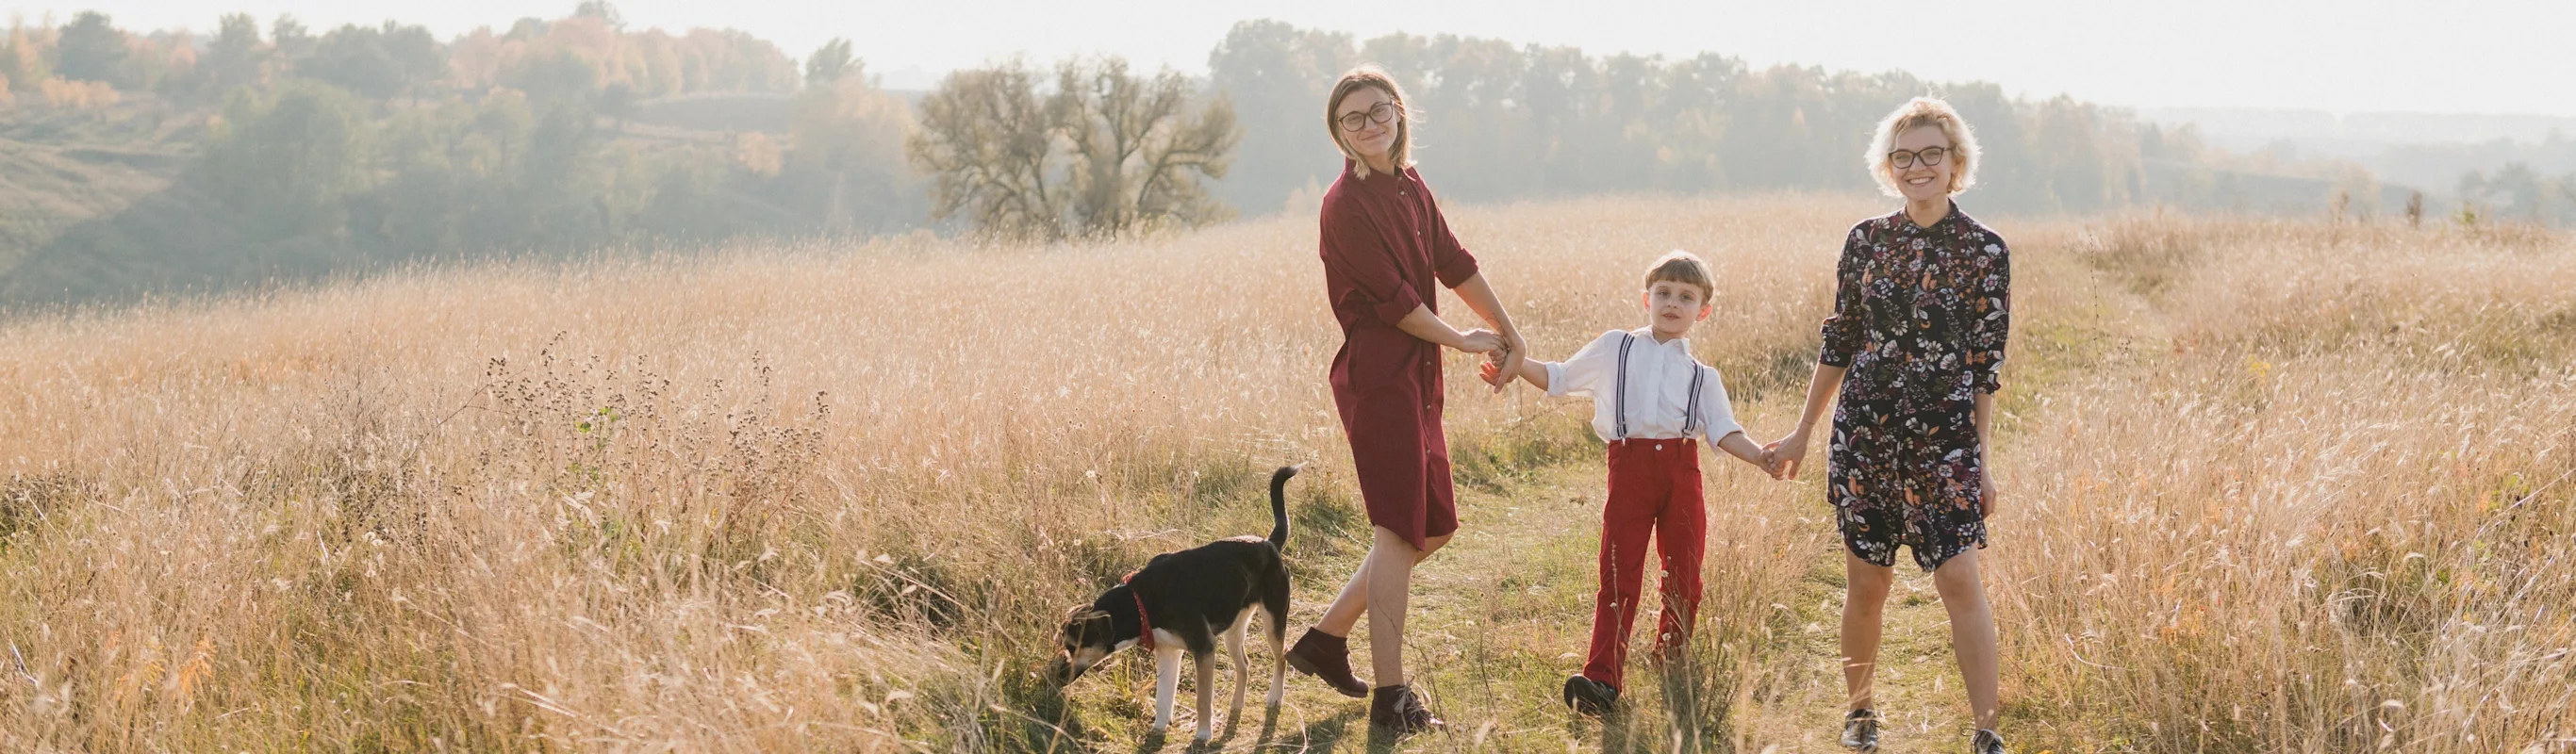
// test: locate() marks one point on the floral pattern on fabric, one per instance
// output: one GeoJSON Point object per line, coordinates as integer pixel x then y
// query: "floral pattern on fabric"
{"type": "Point", "coordinates": [1920, 319]}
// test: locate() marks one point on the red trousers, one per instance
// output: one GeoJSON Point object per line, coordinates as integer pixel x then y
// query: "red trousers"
{"type": "Point", "coordinates": [1654, 492]}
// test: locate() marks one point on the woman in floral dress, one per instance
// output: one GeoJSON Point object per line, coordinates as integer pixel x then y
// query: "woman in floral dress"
{"type": "Point", "coordinates": [1921, 313]}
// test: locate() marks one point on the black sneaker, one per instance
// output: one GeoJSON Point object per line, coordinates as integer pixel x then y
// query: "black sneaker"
{"type": "Point", "coordinates": [1590, 697]}
{"type": "Point", "coordinates": [1860, 730]}
{"type": "Point", "coordinates": [1987, 742]}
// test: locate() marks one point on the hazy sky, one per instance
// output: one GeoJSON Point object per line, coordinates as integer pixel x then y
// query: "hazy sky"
{"type": "Point", "coordinates": [2480, 56]}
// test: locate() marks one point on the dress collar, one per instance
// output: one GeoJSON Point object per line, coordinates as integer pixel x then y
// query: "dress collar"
{"type": "Point", "coordinates": [1350, 170]}
{"type": "Point", "coordinates": [1947, 218]}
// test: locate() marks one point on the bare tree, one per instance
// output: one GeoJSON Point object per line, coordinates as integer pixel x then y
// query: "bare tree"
{"type": "Point", "coordinates": [988, 141]}
{"type": "Point", "coordinates": [1105, 152]}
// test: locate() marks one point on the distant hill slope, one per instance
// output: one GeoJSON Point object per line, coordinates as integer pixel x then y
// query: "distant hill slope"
{"type": "Point", "coordinates": [46, 190]}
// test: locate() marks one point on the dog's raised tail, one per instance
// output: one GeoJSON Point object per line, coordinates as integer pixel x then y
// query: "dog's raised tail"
{"type": "Point", "coordinates": [1279, 505]}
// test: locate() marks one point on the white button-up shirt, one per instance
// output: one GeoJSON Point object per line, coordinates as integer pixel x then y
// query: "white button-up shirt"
{"type": "Point", "coordinates": [1659, 378]}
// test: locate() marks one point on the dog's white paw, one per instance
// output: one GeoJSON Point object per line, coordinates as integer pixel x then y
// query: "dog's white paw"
{"type": "Point", "coordinates": [1204, 735]}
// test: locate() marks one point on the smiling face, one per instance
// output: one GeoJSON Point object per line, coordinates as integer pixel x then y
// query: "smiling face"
{"type": "Point", "coordinates": [1924, 180]}
{"type": "Point", "coordinates": [1672, 306]}
{"type": "Point", "coordinates": [1374, 141]}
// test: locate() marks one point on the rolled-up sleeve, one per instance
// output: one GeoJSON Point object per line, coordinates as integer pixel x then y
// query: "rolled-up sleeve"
{"type": "Point", "coordinates": [1450, 260]}
{"type": "Point", "coordinates": [1843, 333]}
{"type": "Point", "coordinates": [1587, 370]}
{"type": "Point", "coordinates": [1354, 249]}
{"type": "Point", "coordinates": [1712, 401]}
{"type": "Point", "coordinates": [1992, 329]}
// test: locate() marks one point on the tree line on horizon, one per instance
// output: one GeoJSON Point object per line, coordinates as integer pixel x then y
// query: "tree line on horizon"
{"type": "Point", "coordinates": [362, 147]}
{"type": "Point", "coordinates": [373, 146]}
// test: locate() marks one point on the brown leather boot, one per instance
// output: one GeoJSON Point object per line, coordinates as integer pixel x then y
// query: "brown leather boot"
{"type": "Point", "coordinates": [1326, 656]}
{"type": "Point", "coordinates": [1398, 710]}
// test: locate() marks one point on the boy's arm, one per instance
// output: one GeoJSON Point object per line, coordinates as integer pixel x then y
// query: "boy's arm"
{"type": "Point", "coordinates": [1582, 374]}
{"type": "Point", "coordinates": [1532, 370]}
{"type": "Point", "coordinates": [1736, 444]}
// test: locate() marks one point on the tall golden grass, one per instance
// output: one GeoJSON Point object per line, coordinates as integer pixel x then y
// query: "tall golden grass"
{"type": "Point", "coordinates": [2320, 505]}
{"type": "Point", "coordinates": [2272, 486]}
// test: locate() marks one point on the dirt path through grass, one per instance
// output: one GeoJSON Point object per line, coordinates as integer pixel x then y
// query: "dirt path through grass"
{"type": "Point", "coordinates": [1501, 616]}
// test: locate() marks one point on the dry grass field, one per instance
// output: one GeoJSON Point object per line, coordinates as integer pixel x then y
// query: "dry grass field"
{"type": "Point", "coordinates": [2269, 485]}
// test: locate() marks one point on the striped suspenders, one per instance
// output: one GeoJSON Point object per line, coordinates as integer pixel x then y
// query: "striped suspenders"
{"type": "Point", "coordinates": [1619, 394]}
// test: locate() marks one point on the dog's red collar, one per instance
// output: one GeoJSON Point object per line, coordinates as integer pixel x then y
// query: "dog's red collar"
{"type": "Point", "coordinates": [1145, 639]}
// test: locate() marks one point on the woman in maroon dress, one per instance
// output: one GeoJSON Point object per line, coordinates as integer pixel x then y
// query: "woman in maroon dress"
{"type": "Point", "coordinates": [1384, 246]}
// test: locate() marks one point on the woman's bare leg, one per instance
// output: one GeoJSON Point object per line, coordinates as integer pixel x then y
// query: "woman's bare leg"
{"type": "Point", "coordinates": [1865, 587]}
{"type": "Point", "coordinates": [1972, 633]}
{"type": "Point", "coordinates": [1390, 586]}
{"type": "Point", "coordinates": [1344, 614]}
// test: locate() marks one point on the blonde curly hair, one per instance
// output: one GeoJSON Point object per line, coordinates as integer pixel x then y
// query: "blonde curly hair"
{"type": "Point", "coordinates": [1924, 111]}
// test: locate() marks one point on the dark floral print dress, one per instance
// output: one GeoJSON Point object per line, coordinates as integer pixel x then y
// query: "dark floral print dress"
{"type": "Point", "coordinates": [1920, 319]}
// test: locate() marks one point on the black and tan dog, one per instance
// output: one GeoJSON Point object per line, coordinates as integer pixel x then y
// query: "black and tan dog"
{"type": "Point", "coordinates": [1182, 601]}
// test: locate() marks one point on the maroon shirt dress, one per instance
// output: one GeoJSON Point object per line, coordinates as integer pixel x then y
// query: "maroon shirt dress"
{"type": "Point", "coordinates": [1384, 246]}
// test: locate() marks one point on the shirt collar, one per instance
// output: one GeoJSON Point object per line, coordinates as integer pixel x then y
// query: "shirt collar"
{"type": "Point", "coordinates": [1647, 334]}
{"type": "Point", "coordinates": [1350, 169]}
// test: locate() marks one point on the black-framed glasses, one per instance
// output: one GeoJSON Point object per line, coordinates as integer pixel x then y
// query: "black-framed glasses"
{"type": "Point", "coordinates": [1928, 155]}
{"type": "Point", "coordinates": [1378, 113]}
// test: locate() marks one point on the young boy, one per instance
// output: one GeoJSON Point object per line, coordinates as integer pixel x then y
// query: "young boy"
{"type": "Point", "coordinates": [1649, 398]}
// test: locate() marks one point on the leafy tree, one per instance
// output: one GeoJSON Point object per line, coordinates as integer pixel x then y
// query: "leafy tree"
{"type": "Point", "coordinates": [286, 160]}
{"type": "Point", "coordinates": [602, 10]}
{"type": "Point", "coordinates": [560, 77]}
{"type": "Point", "coordinates": [234, 57]}
{"type": "Point", "coordinates": [292, 41]}
{"type": "Point", "coordinates": [1277, 76]}
{"type": "Point", "coordinates": [418, 58]}
{"type": "Point", "coordinates": [353, 57]}
{"type": "Point", "coordinates": [830, 63]}
{"type": "Point", "coordinates": [90, 49]}
{"type": "Point", "coordinates": [379, 63]}
{"type": "Point", "coordinates": [848, 168]}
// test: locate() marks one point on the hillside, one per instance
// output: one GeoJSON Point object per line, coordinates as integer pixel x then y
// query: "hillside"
{"type": "Point", "coordinates": [2269, 485]}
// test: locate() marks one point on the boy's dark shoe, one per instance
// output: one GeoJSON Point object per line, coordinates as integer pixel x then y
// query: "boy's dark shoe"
{"type": "Point", "coordinates": [1860, 730]}
{"type": "Point", "coordinates": [1987, 742]}
{"type": "Point", "coordinates": [1328, 657]}
{"type": "Point", "coordinates": [1398, 710]}
{"type": "Point", "coordinates": [1590, 697]}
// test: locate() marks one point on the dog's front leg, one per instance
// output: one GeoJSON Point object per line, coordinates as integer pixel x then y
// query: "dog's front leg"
{"type": "Point", "coordinates": [1207, 693]}
{"type": "Point", "coordinates": [1167, 681]}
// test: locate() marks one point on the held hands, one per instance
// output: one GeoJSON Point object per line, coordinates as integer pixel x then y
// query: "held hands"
{"type": "Point", "coordinates": [1783, 456]}
{"type": "Point", "coordinates": [1503, 356]}
{"type": "Point", "coordinates": [1481, 341]}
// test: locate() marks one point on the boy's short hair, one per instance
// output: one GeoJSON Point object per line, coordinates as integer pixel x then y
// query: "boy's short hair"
{"type": "Point", "coordinates": [1683, 267]}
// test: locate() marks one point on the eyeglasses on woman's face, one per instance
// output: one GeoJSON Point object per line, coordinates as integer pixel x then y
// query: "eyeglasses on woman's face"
{"type": "Point", "coordinates": [1929, 156]}
{"type": "Point", "coordinates": [1379, 114]}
